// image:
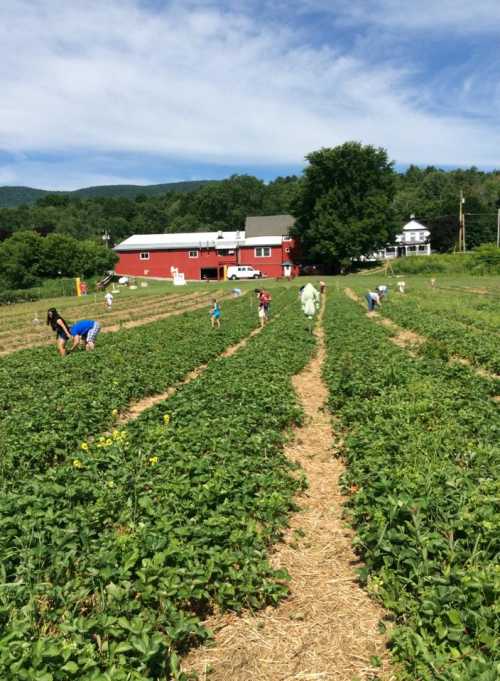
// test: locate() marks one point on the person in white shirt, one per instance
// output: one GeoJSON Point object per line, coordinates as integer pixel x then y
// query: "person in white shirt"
{"type": "Point", "coordinates": [309, 298]}
{"type": "Point", "coordinates": [373, 300]}
{"type": "Point", "coordinates": [109, 300]}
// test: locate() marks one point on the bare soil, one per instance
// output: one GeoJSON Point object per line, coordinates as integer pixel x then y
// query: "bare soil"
{"type": "Point", "coordinates": [352, 295]}
{"type": "Point", "coordinates": [327, 629]}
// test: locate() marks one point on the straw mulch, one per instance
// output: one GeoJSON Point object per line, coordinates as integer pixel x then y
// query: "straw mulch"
{"type": "Point", "coordinates": [327, 630]}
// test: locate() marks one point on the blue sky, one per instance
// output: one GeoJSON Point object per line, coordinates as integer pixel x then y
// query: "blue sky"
{"type": "Point", "coordinates": [149, 91]}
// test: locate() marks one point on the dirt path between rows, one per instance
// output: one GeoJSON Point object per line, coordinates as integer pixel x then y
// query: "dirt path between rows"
{"type": "Point", "coordinates": [137, 408]}
{"type": "Point", "coordinates": [410, 340]}
{"type": "Point", "coordinates": [327, 629]}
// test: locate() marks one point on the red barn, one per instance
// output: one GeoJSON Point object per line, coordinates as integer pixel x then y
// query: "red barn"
{"type": "Point", "coordinates": [265, 244]}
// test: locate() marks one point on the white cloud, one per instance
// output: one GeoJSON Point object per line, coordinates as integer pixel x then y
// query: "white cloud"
{"type": "Point", "coordinates": [207, 84]}
{"type": "Point", "coordinates": [463, 16]}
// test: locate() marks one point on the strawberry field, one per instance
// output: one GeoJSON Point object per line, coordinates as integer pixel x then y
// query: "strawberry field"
{"type": "Point", "coordinates": [118, 537]}
{"type": "Point", "coordinates": [114, 547]}
{"type": "Point", "coordinates": [423, 454]}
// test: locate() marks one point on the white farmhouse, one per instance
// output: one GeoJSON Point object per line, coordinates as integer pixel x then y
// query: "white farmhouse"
{"type": "Point", "coordinates": [413, 240]}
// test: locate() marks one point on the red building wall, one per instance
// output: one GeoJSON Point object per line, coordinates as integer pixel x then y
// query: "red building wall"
{"type": "Point", "coordinates": [160, 262]}
{"type": "Point", "coordinates": [270, 265]}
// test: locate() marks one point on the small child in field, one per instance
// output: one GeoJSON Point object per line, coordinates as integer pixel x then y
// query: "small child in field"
{"type": "Point", "coordinates": [109, 300]}
{"type": "Point", "coordinates": [262, 315]}
{"type": "Point", "coordinates": [215, 314]}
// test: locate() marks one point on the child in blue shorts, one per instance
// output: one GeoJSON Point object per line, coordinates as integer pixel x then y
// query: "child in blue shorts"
{"type": "Point", "coordinates": [215, 314]}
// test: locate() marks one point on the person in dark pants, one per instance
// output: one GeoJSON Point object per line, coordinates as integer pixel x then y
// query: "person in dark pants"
{"type": "Point", "coordinates": [373, 300]}
{"type": "Point", "coordinates": [61, 328]}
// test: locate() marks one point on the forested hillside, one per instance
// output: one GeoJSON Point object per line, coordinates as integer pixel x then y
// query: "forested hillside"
{"type": "Point", "coordinates": [10, 197]}
{"type": "Point", "coordinates": [217, 205]}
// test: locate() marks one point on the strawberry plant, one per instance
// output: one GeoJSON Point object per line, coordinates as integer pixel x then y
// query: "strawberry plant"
{"type": "Point", "coordinates": [422, 450]}
{"type": "Point", "coordinates": [112, 556]}
{"type": "Point", "coordinates": [48, 405]}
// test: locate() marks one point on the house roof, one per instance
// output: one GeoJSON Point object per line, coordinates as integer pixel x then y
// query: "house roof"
{"type": "Point", "coordinates": [153, 242]}
{"type": "Point", "coordinates": [414, 225]}
{"type": "Point", "coordinates": [269, 225]}
{"type": "Point", "coordinates": [218, 240]}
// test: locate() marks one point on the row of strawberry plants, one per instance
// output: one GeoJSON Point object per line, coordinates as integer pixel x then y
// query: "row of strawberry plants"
{"type": "Point", "coordinates": [48, 404]}
{"type": "Point", "coordinates": [480, 312]}
{"type": "Point", "coordinates": [111, 558]}
{"type": "Point", "coordinates": [480, 346]}
{"type": "Point", "coordinates": [422, 449]}
{"type": "Point", "coordinates": [472, 310]}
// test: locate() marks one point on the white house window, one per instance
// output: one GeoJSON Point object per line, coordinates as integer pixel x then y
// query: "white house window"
{"type": "Point", "coordinates": [193, 253]}
{"type": "Point", "coordinates": [144, 255]}
{"type": "Point", "coordinates": [263, 252]}
{"type": "Point", "coordinates": [422, 248]}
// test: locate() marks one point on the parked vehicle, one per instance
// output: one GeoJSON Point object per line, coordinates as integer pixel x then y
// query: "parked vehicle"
{"type": "Point", "coordinates": [243, 272]}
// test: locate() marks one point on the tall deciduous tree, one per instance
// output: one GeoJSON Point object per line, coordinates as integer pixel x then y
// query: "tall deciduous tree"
{"type": "Point", "coordinates": [345, 206]}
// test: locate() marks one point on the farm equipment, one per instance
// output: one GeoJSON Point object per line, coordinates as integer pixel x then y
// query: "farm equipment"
{"type": "Point", "coordinates": [105, 281]}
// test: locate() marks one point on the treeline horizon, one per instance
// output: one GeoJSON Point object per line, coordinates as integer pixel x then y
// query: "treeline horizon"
{"type": "Point", "coordinates": [431, 194]}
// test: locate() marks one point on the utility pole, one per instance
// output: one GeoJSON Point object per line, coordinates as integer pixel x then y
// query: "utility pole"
{"type": "Point", "coordinates": [461, 223]}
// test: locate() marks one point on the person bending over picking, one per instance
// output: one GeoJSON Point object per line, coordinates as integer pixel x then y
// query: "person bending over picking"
{"type": "Point", "coordinates": [215, 314]}
{"type": "Point", "coordinates": [373, 300]}
{"type": "Point", "coordinates": [85, 330]}
{"type": "Point", "coordinates": [58, 324]}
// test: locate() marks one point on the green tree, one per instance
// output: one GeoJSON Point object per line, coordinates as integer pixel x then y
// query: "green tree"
{"type": "Point", "coordinates": [20, 257]}
{"type": "Point", "coordinates": [28, 257]}
{"type": "Point", "coordinates": [345, 205]}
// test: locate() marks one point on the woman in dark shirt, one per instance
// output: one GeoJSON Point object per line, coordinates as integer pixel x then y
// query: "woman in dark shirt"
{"type": "Point", "coordinates": [61, 328]}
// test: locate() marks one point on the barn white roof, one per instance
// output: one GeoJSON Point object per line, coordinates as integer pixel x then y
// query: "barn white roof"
{"type": "Point", "coordinates": [140, 242]}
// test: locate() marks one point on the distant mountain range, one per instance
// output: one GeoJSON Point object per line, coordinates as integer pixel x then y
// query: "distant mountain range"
{"type": "Point", "coordinates": [17, 196]}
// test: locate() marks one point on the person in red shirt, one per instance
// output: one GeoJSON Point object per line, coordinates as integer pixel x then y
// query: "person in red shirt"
{"type": "Point", "coordinates": [264, 302]}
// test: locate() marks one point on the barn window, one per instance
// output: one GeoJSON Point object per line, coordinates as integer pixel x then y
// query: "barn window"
{"type": "Point", "coordinates": [193, 253]}
{"type": "Point", "coordinates": [144, 255]}
{"type": "Point", "coordinates": [263, 252]}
